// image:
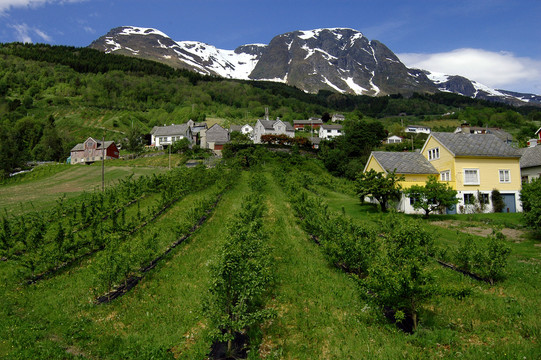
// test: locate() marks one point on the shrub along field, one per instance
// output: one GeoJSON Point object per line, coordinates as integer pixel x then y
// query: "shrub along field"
{"type": "Point", "coordinates": [316, 291]}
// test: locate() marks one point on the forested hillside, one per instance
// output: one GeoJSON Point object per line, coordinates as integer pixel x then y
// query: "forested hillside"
{"type": "Point", "coordinates": [52, 97]}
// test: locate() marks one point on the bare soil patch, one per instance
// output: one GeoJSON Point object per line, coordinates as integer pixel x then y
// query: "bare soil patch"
{"type": "Point", "coordinates": [513, 234]}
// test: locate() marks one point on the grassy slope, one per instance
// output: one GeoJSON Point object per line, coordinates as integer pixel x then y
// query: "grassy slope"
{"type": "Point", "coordinates": [41, 192]}
{"type": "Point", "coordinates": [56, 318]}
{"type": "Point", "coordinates": [494, 321]}
{"type": "Point", "coordinates": [319, 312]}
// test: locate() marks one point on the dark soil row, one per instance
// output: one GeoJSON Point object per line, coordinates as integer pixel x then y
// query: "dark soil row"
{"type": "Point", "coordinates": [467, 273]}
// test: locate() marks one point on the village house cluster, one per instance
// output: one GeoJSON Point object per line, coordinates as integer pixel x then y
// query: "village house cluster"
{"type": "Point", "coordinates": [474, 161]}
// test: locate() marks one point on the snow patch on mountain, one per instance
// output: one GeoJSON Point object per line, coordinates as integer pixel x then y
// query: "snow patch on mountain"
{"type": "Point", "coordinates": [353, 86]}
{"type": "Point", "coordinates": [326, 81]}
{"type": "Point", "coordinates": [134, 30]}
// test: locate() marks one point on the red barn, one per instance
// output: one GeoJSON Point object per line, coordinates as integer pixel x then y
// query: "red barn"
{"type": "Point", "coordinates": [92, 150]}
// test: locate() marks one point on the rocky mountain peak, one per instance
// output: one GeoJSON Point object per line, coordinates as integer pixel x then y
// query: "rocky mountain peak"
{"type": "Point", "coordinates": [338, 59]}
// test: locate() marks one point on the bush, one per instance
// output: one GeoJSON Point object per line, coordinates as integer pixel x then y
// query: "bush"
{"type": "Point", "coordinates": [484, 259]}
{"type": "Point", "coordinates": [531, 204]}
{"type": "Point", "coordinates": [497, 201]}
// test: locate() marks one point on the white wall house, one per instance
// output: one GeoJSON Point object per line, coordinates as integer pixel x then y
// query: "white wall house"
{"type": "Point", "coordinates": [272, 127]}
{"type": "Point", "coordinates": [417, 129]}
{"type": "Point", "coordinates": [330, 131]}
{"type": "Point", "coordinates": [167, 135]}
{"type": "Point", "coordinates": [393, 140]}
{"type": "Point", "coordinates": [245, 129]}
{"type": "Point", "coordinates": [530, 161]}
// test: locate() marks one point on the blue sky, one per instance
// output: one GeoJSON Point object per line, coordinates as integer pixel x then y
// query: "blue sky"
{"type": "Point", "coordinates": [495, 42]}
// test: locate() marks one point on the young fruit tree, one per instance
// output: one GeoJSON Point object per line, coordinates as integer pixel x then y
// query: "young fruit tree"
{"type": "Point", "coordinates": [531, 203]}
{"type": "Point", "coordinates": [399, 280]}
{"type": "Point", "coordinates": [382, 187]}
{"type": "Point", "coordinates": [432, 196]}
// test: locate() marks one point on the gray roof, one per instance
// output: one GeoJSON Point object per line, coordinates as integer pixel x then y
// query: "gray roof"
{"type": "Point", "coordinates": [235, 128]}
{"type": "Point", "coordinates": [531, 157]}
{"type": "Point", "coordinates": [181, 129]}
{"type": "Point", "coordinates": [331, 127]}
{"type": "Point", "coordinates": [404, 162]}
{"type": "Point", "coordinates": [217, 134]}
{"type": "Point", "coordinates": [81, 146]}
{"type": "Point", "coordinates": [315, 140]}
{"type": "Point", "coordinates": [307, 122]}
{"type": "Point", "coordinates": [78, 147]}
{"type": "Point", "coordinates": [269, 124]}
{"type": "Point", "coordinates": [483, 145]}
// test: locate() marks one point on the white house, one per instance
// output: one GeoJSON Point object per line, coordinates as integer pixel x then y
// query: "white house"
{"type": "Point", "coordinates": [329, 131]}
{"type": "Point", "coordinates": [530, 161]}
{"type": "Point", "coordinates": [393, 140]}
{"type": "Point", "coordinates": [417, 129]}
{"type": "Point", "coordinates": [272, 127]}
{"type": "Point", "coordinates": [167, 135]}
{"type": "Point", "coordinates": [245, 129]}
{"type": "Point", "coordinates": [338, 118]}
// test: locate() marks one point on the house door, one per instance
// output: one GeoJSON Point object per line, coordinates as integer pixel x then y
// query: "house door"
{"type": "Point", "coordinates": [451, 210]}
{"type": "Point", "coordinates": [510, 203]}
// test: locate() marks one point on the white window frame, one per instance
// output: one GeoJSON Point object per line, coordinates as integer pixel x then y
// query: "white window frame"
{"type": "Point", "coordinates": [434, 154]}
{"type": "Point", "coordinates": [504, 178]}
{"type": "Point", "coordinates": [445, 175]}
{"type": "Point", "coordinates": [478, 182]}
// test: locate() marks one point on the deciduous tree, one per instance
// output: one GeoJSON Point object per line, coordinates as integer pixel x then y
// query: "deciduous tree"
{"type": "Point", "coordinates": [382, 187]}
{"type": "Point", "coordinates": [432, 196]}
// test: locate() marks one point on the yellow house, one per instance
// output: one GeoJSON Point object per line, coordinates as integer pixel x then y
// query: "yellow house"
{"type": "Point", "coordinates": [412, 165]}
{"type": "Point", "coordinates": [472, 164]}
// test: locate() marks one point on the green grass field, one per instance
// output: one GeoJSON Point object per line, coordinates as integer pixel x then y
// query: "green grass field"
{"type": "Point", "coordinates": [45, 185]}
{"type": "Point", "coordinates": [319, 311]}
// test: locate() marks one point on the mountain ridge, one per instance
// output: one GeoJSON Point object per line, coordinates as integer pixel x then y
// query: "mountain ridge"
{"type": "Point", "coordinates": [337, 59]}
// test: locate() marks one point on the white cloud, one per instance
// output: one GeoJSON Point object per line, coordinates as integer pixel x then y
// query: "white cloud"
{"type": "Point", "coordinates": [502, 70]}
{"type": "Point", "coordinates": [6, 5]}
{"type": "Point", "coordinates": [23, 33]}
{"type": "Point", "coordinates": [42, 35]}
{"type": "Point", "coordinates": [89, 30]}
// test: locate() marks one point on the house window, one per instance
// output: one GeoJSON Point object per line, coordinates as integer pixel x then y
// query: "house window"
{"type": "Point", "coordinates": [414, 198]}
{"type": "Point", "coordinates": [483, 199]}
{"type": "Point", "coordinates": [445, 175]}
{"type": "Point", "coordinates": [469, 199]}
{"type": "Point", "coordinates": [434, 154]}
{"type": "Point", "coordinates": [471, 176]}
{"type": "Point", "coordinates": [505, 176]}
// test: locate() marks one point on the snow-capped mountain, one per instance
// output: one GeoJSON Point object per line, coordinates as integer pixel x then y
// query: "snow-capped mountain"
{"type": "Point", "coordinates": [154, 45]}
{"type": "Point", "coordinates": [463, 86]}
{"type": "Point", "coordinates": [338, 59]}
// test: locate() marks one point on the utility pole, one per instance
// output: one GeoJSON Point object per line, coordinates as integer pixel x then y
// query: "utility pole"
{"type": "Point", "coordinates": [103, 163]}
{"type": "Point", "coordinates": [170, 155]}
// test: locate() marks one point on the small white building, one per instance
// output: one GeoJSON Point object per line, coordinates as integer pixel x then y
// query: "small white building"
{"type": "Point", "coordinates": [272, 127]}
{"type": "Point", "coordinates": [393, 140]}
{"type": "Point", "coordinates": [329, 131]}
{"type": "Point", "coordinates": [245, 129]}
{"type": "Point", "coordinates": [530, 161]}
{"type": "Point", "coordinates": [417, 129]}
{"type": "Point", "coordinates": [167, 135]}
{"type": "Point", "coordinates": [338, 118]}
